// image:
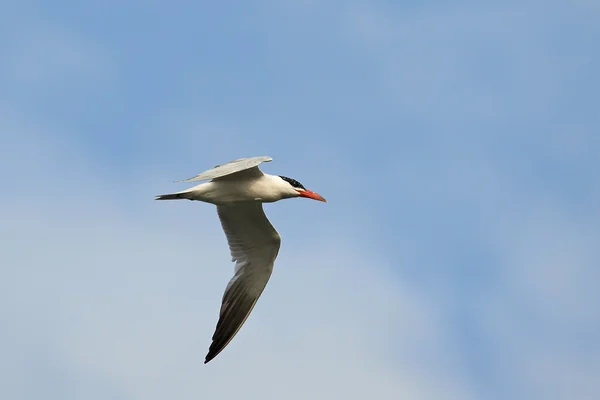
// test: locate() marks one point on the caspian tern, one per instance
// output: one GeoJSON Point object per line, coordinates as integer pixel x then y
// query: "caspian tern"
{"type": "Point", "coordinates": [238, 189]}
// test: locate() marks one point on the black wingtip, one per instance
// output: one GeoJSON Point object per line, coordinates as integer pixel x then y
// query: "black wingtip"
{"type": "Point", "coordinates": [208, 358]}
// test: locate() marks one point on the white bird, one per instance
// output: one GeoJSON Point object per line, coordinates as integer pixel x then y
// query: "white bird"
{"type": "Point", "coordinates": [238, 189]}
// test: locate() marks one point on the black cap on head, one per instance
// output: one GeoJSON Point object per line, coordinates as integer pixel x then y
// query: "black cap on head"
{"type": "Point", "coordinates": [293, 182]}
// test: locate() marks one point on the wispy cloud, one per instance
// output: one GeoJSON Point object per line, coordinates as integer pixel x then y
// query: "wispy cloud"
{"type": "Point", "coordinates": [121, 305]}
{"type": "Point", "coordinates": [456, 258]}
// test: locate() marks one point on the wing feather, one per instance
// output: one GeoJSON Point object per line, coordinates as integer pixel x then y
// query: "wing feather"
{"type": "Point", "coordinates": [232, 167]}
{"type": "Point", "coordinates": [254, 245]}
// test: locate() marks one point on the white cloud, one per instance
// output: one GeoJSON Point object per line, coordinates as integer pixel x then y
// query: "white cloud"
{"type": "Point", "coordinates": [103, 302]}
{"type": "Point", "coordinates": [107, 293]}
{"type": "Point", "coordinates": [540, 318]}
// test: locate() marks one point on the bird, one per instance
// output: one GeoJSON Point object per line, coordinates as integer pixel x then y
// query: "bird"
{"type": "Point", "coordinates": [238, 189]}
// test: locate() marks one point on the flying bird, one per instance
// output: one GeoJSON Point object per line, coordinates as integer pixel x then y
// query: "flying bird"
{"type": "Point", "coordinates": [238, 189]}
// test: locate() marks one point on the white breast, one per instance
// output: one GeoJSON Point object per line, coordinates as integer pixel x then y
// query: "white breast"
{"type": "Point", "coordinates": [265, 188]}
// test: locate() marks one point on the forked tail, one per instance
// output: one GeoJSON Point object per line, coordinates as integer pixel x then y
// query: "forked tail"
{"type": "Point", "coordinates": [173, 196]}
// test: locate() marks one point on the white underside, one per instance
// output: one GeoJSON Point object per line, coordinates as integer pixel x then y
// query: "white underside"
{"type": "Point", "coordinates": [264, 188]}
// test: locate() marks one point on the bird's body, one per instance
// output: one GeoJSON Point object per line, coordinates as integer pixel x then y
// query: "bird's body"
{"type": "Point", "coordinates": [238, 189]}
{"type": "Point", "coordinates": [264, 188]}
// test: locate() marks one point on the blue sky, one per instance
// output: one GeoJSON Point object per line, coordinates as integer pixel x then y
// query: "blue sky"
{"type": "Point", "coordinates": [457, 144]}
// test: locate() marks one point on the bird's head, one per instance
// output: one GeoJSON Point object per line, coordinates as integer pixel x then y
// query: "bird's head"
{"type": "Point", "coordinates": [296, 189]}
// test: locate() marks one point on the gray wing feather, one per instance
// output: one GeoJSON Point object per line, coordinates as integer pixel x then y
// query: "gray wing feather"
{"type": "Point", "coordinates": [254, 245]}
{"type": "Point", "coordinates": [241, 164]}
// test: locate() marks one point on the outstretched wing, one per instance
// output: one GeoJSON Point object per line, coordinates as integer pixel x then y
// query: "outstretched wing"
{"type": "Point", "coordinates": [229, 168]}
{"type": "Point", "coordinates": [254, 245]}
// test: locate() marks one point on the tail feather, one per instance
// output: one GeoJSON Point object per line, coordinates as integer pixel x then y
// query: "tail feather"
{"type": "Point", "coordinates": [172, 196]}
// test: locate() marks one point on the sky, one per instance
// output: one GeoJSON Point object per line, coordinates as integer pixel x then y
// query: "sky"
{"type": "Point", "coordinates": [457, 144]}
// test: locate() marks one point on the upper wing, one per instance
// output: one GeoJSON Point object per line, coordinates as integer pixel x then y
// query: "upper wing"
{"type": "Point", "coordinates": [229, 168]}
{"type": "Point", "coordinates": [254, 244]}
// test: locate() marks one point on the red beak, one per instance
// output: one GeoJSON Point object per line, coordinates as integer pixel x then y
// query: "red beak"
{"type": "Point", "coordinates": [311, 195]}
